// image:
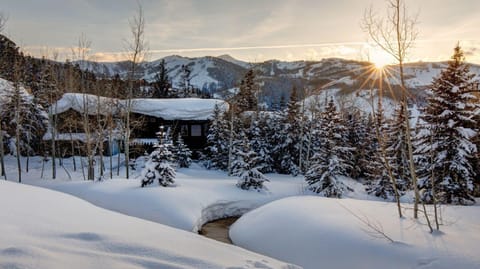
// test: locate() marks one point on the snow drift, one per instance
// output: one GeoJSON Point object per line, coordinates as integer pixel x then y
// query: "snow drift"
{"type": "Point", "coordinates": [46, 229]}
{"type": "Point", "coordinates": [317, 232]}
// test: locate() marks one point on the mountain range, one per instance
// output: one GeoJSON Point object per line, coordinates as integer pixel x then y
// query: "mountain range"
{"type": "Point", "coordinates": [341, 77]}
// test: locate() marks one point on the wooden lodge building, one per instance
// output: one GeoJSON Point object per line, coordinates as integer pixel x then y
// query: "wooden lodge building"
{"type": "Point", "coordinates": [189, 117]}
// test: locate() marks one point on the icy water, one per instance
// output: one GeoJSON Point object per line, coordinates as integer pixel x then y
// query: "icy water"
{"type": "Point", "coordinates": [218, 229]}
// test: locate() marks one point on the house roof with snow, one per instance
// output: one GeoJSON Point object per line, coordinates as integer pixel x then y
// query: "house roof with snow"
{"type": "Point", "coordinates": [167, 109]}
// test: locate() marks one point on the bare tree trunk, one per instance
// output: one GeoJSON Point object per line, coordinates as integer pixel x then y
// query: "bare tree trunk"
{"type": "Point", "coordinates": [230, 142]}
{"type": "Point", "coordinates": [18, 122]}
{"type": "Point", "coordinates": [2, 154]}
{"type": "Point", "coordinates": [396, 35]}
{"type": "Point", "coordinates": [100, 137]}
{"type": "Point", "coordinates": [302, 127]}
{"type": "Point", "coordinates": [72, 144]}
{"type": "Point", "coordinates": [434, 193]}
{"type": "Point", "coordinates": [81, 53]}
{"type": "Point", "coordinates": [17, 141]}
{"type": "Point", "coordinates": [383, 151]}
{"type": "Point", "coordinates": [110, 149]}
{"type": "Point", "coordinates": [3, 21]}
{"type": "Point", "coordinates": [137, 50]}
{"type": "Point", "coordinates": [53, 142]}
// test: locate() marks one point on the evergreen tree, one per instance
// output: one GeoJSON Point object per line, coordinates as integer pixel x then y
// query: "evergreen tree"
{"type": "Point", "coordinates": [289, 146]}
{"type": "Point", "coordinates": [397, 149]}
{"type": "Point", "coordinates": [216, 152]}
{"type": "Point", "coordinates": [246, 99]}
{"type": "Point", "coordinates": [446, 136]}
{"type": "Point", "coordinates": [161, 84]}
{"type": "Point", "coordinates": [184, 84]}
{"type": "Point", "coordinates": [183, 153]}
{"type": "Point", "coordinates": [158, 165]}
{"type": "Point", "coordinates": [379, 182]}
{"type": "Point", "coordinates": [31, 115]}
{"type": "Point", "coordinates": [355, 136]}
{"type": "Point", "coordinates": [327, 164]}
{"type": "Point", "coordinates": [246, 167]}
{"type": "Point", "coordinates": [258, 137]}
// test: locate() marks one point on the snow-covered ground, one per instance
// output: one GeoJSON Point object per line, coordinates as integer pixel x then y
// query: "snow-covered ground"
{"type": "Point", "coordinates": [316, 232]}
{"type": "Point", "coordinates": [200, 195]}
{"type": "Point", "coordinates": [46, 229]}
{"type": "Point", "coordinates": [310, 231]}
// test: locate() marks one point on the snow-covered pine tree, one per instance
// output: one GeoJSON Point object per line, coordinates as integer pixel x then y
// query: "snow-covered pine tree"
{"type": "Point", "coordinates": [288, 147]}
{"type": "Point", "coordinates": [184, 83]}
{"type": "Point", "coordinates": [216, 152]}
{"type": "Point", "coordinates": [397, 149]}
{"type": "Point", "coordinates": [246, 99]}
{"type": "Point", "coordinates": [356, 134]}
{"type": "Point", "coordinates": [379, 182]}
{"type": "Point", "coordinates": [158, 166]}
{"type": "Point", "coordinates": [32, 115]}
{"type": "Point", "coordinates": [183, 153]}
{"type": "Point", "coordinates": [246, 167]}
{"type": "Point", "coordinates": [258, 137]}
{"type": "Point", "coordinates": [446, 136]}
{"type": "Point", "coordinates": [161, 84]}
{"type": "Point", "coordinates": [327, 165]}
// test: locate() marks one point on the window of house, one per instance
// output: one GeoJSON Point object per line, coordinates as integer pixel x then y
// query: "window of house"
{"type": "Point", "coordinates": [184, 130]}
{"type": "Point", "coordinates": [196, 130]}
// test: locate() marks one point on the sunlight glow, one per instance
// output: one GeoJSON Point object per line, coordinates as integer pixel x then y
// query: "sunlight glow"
{"type": "Point", "coordinates": [380, 58]}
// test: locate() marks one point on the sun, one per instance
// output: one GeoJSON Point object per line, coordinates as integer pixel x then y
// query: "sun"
{"type": "Point", "coordinates": [380, 58]}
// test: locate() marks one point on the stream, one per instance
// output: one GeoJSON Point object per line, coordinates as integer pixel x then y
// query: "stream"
{"type": "Point", "coordinates": [218, 229]}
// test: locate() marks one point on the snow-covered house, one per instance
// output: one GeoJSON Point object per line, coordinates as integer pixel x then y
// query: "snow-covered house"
{"type": "Point", "coordinates": [188, 116]}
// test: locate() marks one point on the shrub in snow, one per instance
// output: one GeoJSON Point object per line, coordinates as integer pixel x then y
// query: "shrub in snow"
{"type": "Point", "coordinates": [246, 167]}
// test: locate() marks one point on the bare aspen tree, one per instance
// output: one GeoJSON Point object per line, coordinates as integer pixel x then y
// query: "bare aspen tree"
{"type": "Point", "coordinates": [110, 130]}
{"type": "Point", "coordinates": [81, 53]}
{"type": "Point", "coordinates": [230, 140]}
{"type": "Point", "coordinates": [17, 96]}
{"type": "Point", "coordinates": [396, 35]}
{"type": "Point", "coordinates": [72, 122]}
{"type": "Point", "coordinates": [383, 150]}
{"type": "Point", "coordinates": [136, 49]}
{"type": "Point", "coordinates": [2, 153]}
{"type": "Point", "coordinates": [3, 21]}
{"type": "Point", "coordinates": [303, 122]}
{"type": "Point", "coordinates": [47, 97]}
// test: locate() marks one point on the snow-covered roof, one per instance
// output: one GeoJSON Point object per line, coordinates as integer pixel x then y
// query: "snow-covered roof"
{"type": "Point", "coordinates": [167, 109]}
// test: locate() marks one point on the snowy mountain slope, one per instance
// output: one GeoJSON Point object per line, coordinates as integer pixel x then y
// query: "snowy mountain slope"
{"type": "Point", "coordinates": [229, 58]}
{"type": "Point", "coordinates": [277, 78]}
{"type": "Point", "coordinates": [48, 229]}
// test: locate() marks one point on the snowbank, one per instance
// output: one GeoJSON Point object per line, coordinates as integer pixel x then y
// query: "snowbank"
{"type": "Point", "coordinates": [317, 232]}
{"type": "Point", "coordinates": [167, 109]}
{"type": "Point", "coordinates": [46, 229]}
{"type": "Point", "coordinates": [200, 195]}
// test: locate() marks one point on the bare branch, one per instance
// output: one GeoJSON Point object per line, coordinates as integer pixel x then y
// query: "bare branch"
{"type": "Point", "coordinates": [373, 229]}
{"type": "Point", "coordinates": [3, 21]}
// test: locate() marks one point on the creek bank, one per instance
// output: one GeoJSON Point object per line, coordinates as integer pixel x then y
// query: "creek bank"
{"type": "Point", "coordinates": [218, 229]}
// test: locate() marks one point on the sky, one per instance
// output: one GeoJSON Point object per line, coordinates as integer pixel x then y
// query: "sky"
{"type": "Point", "coordinates": [250, 30]}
